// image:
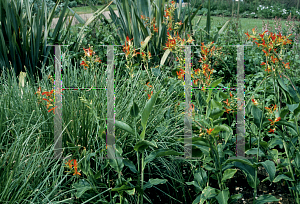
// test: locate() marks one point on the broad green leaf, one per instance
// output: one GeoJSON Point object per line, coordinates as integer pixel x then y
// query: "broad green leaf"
{"type": "Point", "coordinates": [201, 178]}
{"type": "Point", "coordinates": [223, 95]}
{"type": "Point", "coordinates": [122, 188]}
{"type": "Point", "coordinates": [292, 107]}
{"type": "Point", "coordinates": [283, 112]}
{"type": "Point", "coordinates": [144, 144]}
{"type": "Point", "coordinates": [254, 151]}
{"type": "Point", "coordinates": [289, 124]}
{"type": "Point", "coordinates": [216, 82]}
{"type": "Point", "coordinates": [223, 197]}
{"type": "Point", "coordinates": [164, 57]}
{"type": "Point", "coordinates": [228, 174]}
{"type": "Point", "coordinates": [203, 148]}
{"type": "Point", "coordinates": [274, 154]}
{"type": "Point", "coordinates": [270, 168]}
{"type": "Point", "coordinates": [130, 192]}
{"type": "Point", "coordinates": [145, 115]}
{"type": "Point", "coordinates": [160, 153]}
{"type": "Point", "coordinates": [293, 93]}
{"type": "Point", "coordinates": [248, 171]}
{"type": "Point", "coordinates": [117, 164]}
{"type": "Point", "coordinates": [282, 84]}
{"type": "Point", "coordinates": [207, 193]}
{"type": "Point", "coordinates": [130, 164]}
{"type": "Point", "coordinates": [216, 104]}
{"type": "Point", "coordinates": [220, 128]}
{"type": "Point", "coordinates": [134, 110]}
{"type": "Point", "coordinates": [257, 114]}
{"type": "Point", "coordinates": [124, 126]}
{"type": "Point", "coordinates": [234, 198]}
{"type": "Point", "coordinates": [265, 199]}
{"type": "Point", "coordinates": [282, 176]}
{"type": "Point", "coordinates": [153, 182]}
{"type": "Point", "coordinates": [216, 113]}
{"type": "Point", "coordinates": [81, 187]}
{"type": "Point", "coordinates": [219, 121]}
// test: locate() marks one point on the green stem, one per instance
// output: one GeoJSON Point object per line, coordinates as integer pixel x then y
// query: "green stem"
{"type": "Point", "coordinates": [291, 170]}
{"type": "Point", "coordinates": [142, 177]}
{"type": "Point", "coordinates": [258, 146]}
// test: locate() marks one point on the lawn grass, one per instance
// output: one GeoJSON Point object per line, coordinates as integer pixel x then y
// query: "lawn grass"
{"type": "Point", "coordinates": [247, 23]}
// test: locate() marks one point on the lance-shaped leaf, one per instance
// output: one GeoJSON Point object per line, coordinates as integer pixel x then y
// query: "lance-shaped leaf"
{"type": "Point", "coordinates": [145, 115]}
{"type": "Point", "coordinates": [160, 153]}
{"type": "Point", "coordinates": [153, 182]}
{"type": "Point", "coordinates": [223, 197]}
{"type": "Point", "coordinates": [144, 144]}
{"type": "Point", "coordinates": [124, 126]}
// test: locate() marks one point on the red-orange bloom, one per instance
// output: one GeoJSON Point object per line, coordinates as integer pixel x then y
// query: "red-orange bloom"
{"type": "Point", "coordinates": [180, 74]}
{"type": "Point", "coordinates": [254, 101]}
{"type": "Point", "coordinates": [209, 130]}
{"type": "Point", "coordinates": [149, 96]}
{"type": "Point", "coordinates": [75, 168]}
{"type": "Point", "coordinates": [271, 130]}
{"type": "Point", "coordinates": [227, 110]}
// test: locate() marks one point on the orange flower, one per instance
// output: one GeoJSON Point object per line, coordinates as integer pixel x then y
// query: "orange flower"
{"type": "Point", "coordinates": [52, 109]}
{"type": "Point", "coordinates": [142, 17]}
{"type": "Point", "coordinates": [276, 120]}
{"type": "Point", "coordinates": [149, 96]}
{"type": "Point", "coordinates": [155, 29]}
{"type": "Point", "coordinates": [255, 102]}
{"type": "Point", "coordinates": [192, 107]}
{"type": "Point", "coordinates": [69, 163]}
{"type": "Point", "coordinates": [227, 110]}
{"type": "Point", "coordinates": [180, 74]}
{"type": "Point", "coordinates": [75, 168]}
{"type": "Point", "coordinates": [88, 52]}
{"type": "Point", "coordinates": [148, 85]}
{"type": "Point", "coordinates": [209, 131]}
{"type": "Point", "coordinates": [272, 130]}
{"type": "Point", "coordinates": [230, 94]}
{"type": "Point", "coordinates": [226, 102]}
{"type": "Point", "coordinates": [48, 93]}
{"type": "Point", "coordinates": [98, 60]}
{"type": "Point", "coordinates": [84, 64]}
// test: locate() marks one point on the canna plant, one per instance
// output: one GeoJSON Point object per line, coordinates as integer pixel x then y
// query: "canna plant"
{"type": "Point", "coordinates": [140, 146]}
{"type": "Point", "coordinates": [272, 45]}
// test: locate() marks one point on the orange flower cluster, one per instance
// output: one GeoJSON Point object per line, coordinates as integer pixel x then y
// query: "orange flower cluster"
{"type": "Point", "coordinates": [207, 52]}
{"type": "Point", "coordinates": [91, 55]}
{"type": "Point", "coordinates": [269, 45]}
{"type": "Point", "coordinates": [231, 106]}
{"type": "Point", "coordinates": [209, 130]}
{"type": "Point", "coordinates": [149, 96]}
{"type": "Point", "coordinates": [50, 102]}
{"type": "Point", "coordinates": [254, 101]}
{"type": "Point", "coordinates": [75, 165]}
